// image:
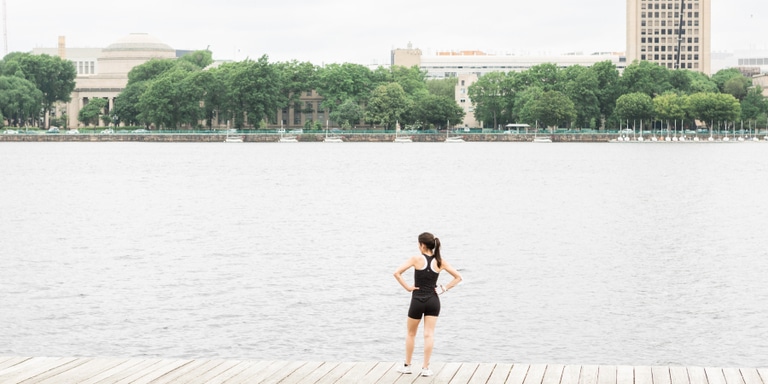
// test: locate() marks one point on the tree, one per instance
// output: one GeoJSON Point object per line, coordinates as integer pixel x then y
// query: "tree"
{"type": "Point", "coordinates": [200, 59]}
{"type": "Point", "coordinates": [608, 88]}
{"type": "Point", "coordinates": [737, 86]}
{"type": "Point", "coordinates": [701, 83]}
{"type": "Point", "coordinates": [553, 108]}
{"type": "Point", "coordinates": [295, 78]}
{"type": "Point", "coordinates": [581, 87]}
{"type": "Point", "coordinates": [337, 83]}
{"type": "Point", "coordinates": [713, 107]}
{"type": "Point", "coordinates": [92, 111]}
{"type": "Point", "coordinates": [172, 99]}
{"type": "Point", "coordinates": [348, 113]}
{"type": "Point", "coordinates": [442, 87]}
{"type": "Point", "coordinates": [253, 89]}
{"type": "Point", "coordinates": [127, 103]}
{"type": "Point", "coordinates": [436, 110]}
{"type": "Point", "coordinates": [150, 70]}
{"type": "Point", "coordinates": [489, 97]}
{"type": "Point", "coordinates": [646, 77]}
{"type": "Point", "coordinates": [523, 104]}
{"type": "Point", "coordinates": [634, 106]}
{"type": "Point", "coordinates": [722, 76]}
{"type": "Point", "coordinates": [546, 76]}
{"type": "Point", "coordinates": [20, 100]}
{"type": "Point", "coordinates": [669, 106]}
{"type": "Point", "coordinates": [754, 104]}
{"type": "Point", "coordinates": [387, 104]}
{"type": "Point", "coordinates": [54, 77]}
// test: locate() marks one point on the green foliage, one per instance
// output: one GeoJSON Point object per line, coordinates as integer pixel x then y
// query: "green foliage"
{"type": "Point", "coordinates": [200, 59]}
{"type": "Point", "coordinates": [713, 107]}
{"type": "Point", "coordinates": [634, 106]}
{"type": "Point", "coordinates": [92, 111]}
{"type": "Point", "coordinates": [337, 83]}
{"type": "Point", "coordinates": [172, 99]}
{"type": "Point", "coordinates": [722, 76]}
{"type": "Point", "coordinates": [645, 77]}
{"type": "Point", "coordinates": [492, 97]}
{"type": "Point", "coordinates": [387, 104]}
{"type": "Point", "coordinates": [348, 113]}
{"type": "Point", "coordinates": [754, 104]}
{"type": "Point", "coordinates": [435, 110]}
{"type": "Point", "coordinates": [442, 87]}
{"type": "Point", "coordinates": [20, 100]}
{"type": "Point", "coordinates": [737, 86]}
{"type": "Point", "coordinates": [553, 108]}
{"type": "Point", "coordinates": [581, 87]}
{"type": "Point", "coordinates": [670, 106]}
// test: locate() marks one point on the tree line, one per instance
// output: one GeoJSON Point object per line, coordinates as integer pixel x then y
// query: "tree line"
{"type": "Point", "coordinates": [189, 92]}
{"type": "Point", "coordinates": [599, 96]}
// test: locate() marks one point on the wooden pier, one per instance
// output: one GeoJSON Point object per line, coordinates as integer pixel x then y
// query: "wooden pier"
{"type": "Point", "coordinates": [104, 370]}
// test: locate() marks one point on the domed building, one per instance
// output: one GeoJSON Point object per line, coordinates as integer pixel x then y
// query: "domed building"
{"type": "Point", "coordinates": [106, 75]}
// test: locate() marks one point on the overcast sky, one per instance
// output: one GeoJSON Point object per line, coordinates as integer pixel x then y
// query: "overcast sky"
{"type": "Point", "coordinates": [359, 31]}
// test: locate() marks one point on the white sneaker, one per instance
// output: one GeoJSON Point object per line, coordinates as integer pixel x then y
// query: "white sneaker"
{"type": "Point", "coordinates": [405, 369]}
{"type": "Point", "coordinates": [426, 372]}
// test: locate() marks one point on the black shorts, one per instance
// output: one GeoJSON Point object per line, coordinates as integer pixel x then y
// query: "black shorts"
{"type": "Point", "coordinates": [424, 306]}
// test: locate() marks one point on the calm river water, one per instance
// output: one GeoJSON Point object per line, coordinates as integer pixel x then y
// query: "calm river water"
{"type": "Point", "coordinates": [572, 253]}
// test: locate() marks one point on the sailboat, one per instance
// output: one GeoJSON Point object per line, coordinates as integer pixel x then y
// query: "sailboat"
{"type": "Point", "coordinates": [286, 139]}
{"type": "Point", "coordinates": [540, 139]}
{"type": "Point", "coordinates": [332, 138]}
{"type": "Point", "coordinates": [233, 138]}
{"type": "Point", "coordinates": [401, 139]}
{"type": "Point", "coordinates": [452, 139]}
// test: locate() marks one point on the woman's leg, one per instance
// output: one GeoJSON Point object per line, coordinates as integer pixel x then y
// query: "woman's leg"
{"type": "Point", "coordinates": [410, 338]}
{"type": "Point", "coordinates": [429, 338]}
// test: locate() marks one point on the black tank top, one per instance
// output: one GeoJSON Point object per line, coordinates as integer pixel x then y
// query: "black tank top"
{"type": "Point", "coordinates": [425, 279]}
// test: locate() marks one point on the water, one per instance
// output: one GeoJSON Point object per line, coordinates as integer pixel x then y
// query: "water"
{"type": "Point", "coordinates": [571, 253]}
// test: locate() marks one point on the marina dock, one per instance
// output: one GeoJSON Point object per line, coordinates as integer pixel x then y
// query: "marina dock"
{"type": "Point", "coordinates": [137, 370]}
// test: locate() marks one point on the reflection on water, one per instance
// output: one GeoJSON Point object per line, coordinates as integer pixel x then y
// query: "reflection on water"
{"type": "Point", "coordinates": [572, 253]}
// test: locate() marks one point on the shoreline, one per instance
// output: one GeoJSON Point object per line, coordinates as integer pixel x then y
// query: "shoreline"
{"type": "Point", "coordinates": [350, 137]}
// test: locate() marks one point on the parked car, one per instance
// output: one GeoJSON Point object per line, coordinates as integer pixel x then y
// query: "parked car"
{"type": "Point", "coordinates": [140, 131]}
{"type": "Point", "coordinates": [53, 130]}
{"type": "Point", "coordinates": [107, 131]}
{"type": "Point", "coordinates": [73, 132]}
{"type": "Point", "coordinates": [297, 131]}
{"type": "Point", "coordinates": [10, 132]}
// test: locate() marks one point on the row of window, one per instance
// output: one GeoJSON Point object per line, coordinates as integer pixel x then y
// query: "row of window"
{"type": "Point", "coordinates": [671, 64]}
{"type": "Point", "coordinates": [668, 6]}
{"type": "Point", "coordinates": [663, 23]}
{"type": "Point", "coordinates": [667, 48]}
{"type": "Point", "coordinates": [756, 61]}
{"type": "Point", "coordinates": [667, 15]}
{"type": "Point", "coordinates": [85, 67]}
{"type": "Point", "coordinates": [663, 57]}
{"type": "Point", "coordinates": [668, 31]}
{"type": "Point", "coordinates": [665, 40]}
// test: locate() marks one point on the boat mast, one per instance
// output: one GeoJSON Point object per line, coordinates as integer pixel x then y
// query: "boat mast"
{"type": "Point", "coordinates": [680, 34]}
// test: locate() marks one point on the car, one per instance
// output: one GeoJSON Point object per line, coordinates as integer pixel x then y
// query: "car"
{"type": "Point", "coordinates": [73, 132]}
{"type": "Point", "coordinates": [52, 130]}
{"type": "Point", "coordinates": [108, 131]}
{"type": "Point", "coordinates": [335, 130]}
{"type": "Point", "coordinates": [10, 132]}
{"type": "Point", "coordinates": [281, 130]}
{"type": "Point", "coordinates": [626, 130]}
{"type": "Point", "coordinates": [296, 131]}
{"type": "Point", "coordinates": [140, 131]}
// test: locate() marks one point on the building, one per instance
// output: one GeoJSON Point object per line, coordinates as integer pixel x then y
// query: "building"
{"type": "Point", "coordinates": [653, 28]}
{"type": "Point", "coordinates": [468, 66]}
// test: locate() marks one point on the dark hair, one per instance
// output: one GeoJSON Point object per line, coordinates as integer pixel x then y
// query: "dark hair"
{"type": "Point", "coordinates": [433, 243]}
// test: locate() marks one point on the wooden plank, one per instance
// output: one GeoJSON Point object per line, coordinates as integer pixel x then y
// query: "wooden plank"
{"type": "Point", "coordinates": [733, 376]}
{"type": "Point", "coordinates": [606, 374]}
{"type": "Point", "coordinates": [377, 372]}
{"type": "Point", "coordinates": [500, 373]}
{"type": "Point", "coordinates": [465, 373]}
{"type": "Point", "coordinates": [336, 373]}
{"type": "Point", "coordinates": [535, 374]}
{"type": "Point", "coordinates": [679, 375]}
{"type": "Point", "coordinates": [209, 375]}
{"type": "Point", "coordinates": [588, 374]}
{"type": "Point", "coordinates": [188, 371]}
{"type": "Point", "coordinates": [32, 368]}
{"type": "Point", "coordinates": [11, 362]}
{"type": "Point", "coordinates": [155, 371]}
{"type": "Point", "coordinates": [319, 372]}
{"type": "Point", "coordinates": [715, 375]}
{"type": "Point", "coordinates": [696, 375]}
{"type": "Point", "coordinates": [643, 375]}
{"type": "Point", "coordinates": [392, 375]}
{"type": "Point", "coordinates": [280, 374]}
{"type": "Point", "coordinates": [297, 375]}
{"type": "Point", "coordinates": [751, 376]}
{"type": "Point", "coordinates": [517, 373]}
{"type": "Point", "coordinates": [553, 374]}
{"type": "Point", "coordinates": [357, 373]}
{"type": "Point", "coordinates": [482, 374]}
{"type": "Point", "coordinates": [118, 371]}
{"type": "Point", "coordinates": [661, 375]}
{"type": "Point", "coordinates": [256, 372]}
{"type": "Point", "coordinates": [56, 372]}
{"type": "Point", "coordinates": [229, 375]}
{"type": "Point", "coordinates": [417, 378]}
{"type": "Point", "coordinates": [625, 374]}
{"type": "Point", "coordinates": [444, 374]}
{"type": "Point", "coordinates": [91, 369]}
{"type": "Point", "coordinates": [763, 372]}
{"type": "Point", "coordinates": [571, 374]}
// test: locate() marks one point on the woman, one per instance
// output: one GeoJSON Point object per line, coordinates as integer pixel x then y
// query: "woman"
{"type": "Point", "coordinates": [424, 296]}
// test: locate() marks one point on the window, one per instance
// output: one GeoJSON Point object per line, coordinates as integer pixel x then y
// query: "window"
{"type": "Point", "coordinates": [462, 100]}
{"type": "Point", "coordinates": [309, 93]}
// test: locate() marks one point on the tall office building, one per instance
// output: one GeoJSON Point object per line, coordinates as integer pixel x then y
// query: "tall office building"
{"type": "Point", "coordinates": [652, 33]}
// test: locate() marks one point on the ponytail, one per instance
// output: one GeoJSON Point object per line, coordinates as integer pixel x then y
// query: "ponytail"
{"type": "Point", "coordinates": [436, 253]}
